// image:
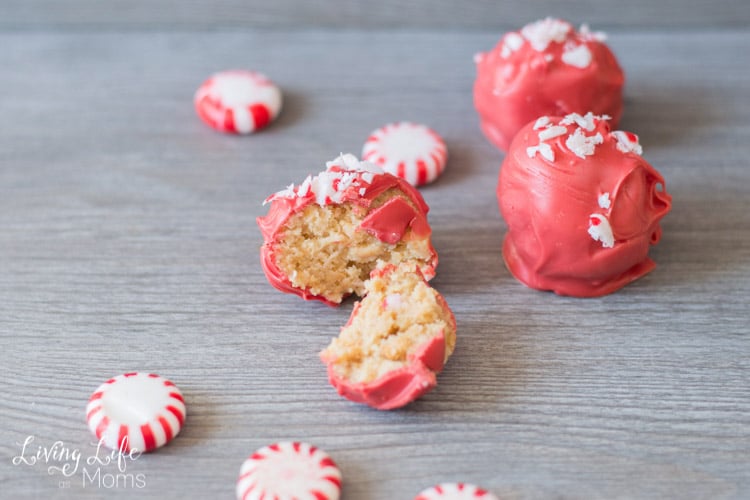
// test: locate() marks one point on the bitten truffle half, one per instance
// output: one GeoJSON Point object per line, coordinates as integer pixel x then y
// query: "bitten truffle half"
{"type": "Point", "coordinates": [546, 68]}
{"type": "Point", "coordinates": [323, 238]}
{"type": "Point", "coordinates": [581, 204]}
{"type": "Point", "coordinates": [397, 339]}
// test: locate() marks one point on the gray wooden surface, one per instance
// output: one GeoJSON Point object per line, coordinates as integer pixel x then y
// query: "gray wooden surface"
{"type": "Point", "coordinates": [128, 242]}
{"type": "Point", "coordinates": [365, 14]}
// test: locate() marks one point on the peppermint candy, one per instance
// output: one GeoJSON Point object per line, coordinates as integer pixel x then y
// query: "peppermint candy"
{"type": "Point", "coordinates": [414, 152]}
{"type": "Point", "coordinates": [238, 101]}
{"type": "Point", "coordinates": [455, 491]}
{"type": "Point", "coordinates": [289, 470]}
{"type": "Point", "coordinates": [136, 412]}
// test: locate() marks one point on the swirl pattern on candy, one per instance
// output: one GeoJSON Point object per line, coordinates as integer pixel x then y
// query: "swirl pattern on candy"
{"type": "Point", "coordinates": [238, 101]}
{"type": "Point", "coordinates": [546, 68]}
{"type": "Point", "coordinates": [323, 238]}
{"type": "Point", "coordinates": [581, 204]}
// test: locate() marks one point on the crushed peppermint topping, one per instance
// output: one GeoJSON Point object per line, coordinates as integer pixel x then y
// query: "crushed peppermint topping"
{"type": "Point", "coordinates": [604, 201]}
{"type": "Point", "coordinates": [578, 142]}
{"type": "Point", "coordinates": [600, 230]}
{"type": "Point", "coordinates": [350, 162]}
{"type": "Point", "coordinates": [587, 34]}
{"type": "Point", "coordinates": [627, 142]}
{"type": "Point", "coordinates": [511, 43]}
{"type": "Point", "coordinates": [514, 41]}
{"type": "Point", "coordinates": [330, 185]}
{"type": "Point", "coordinates": [284, 193]}
{"type": "Point", "coordinates": [577, 56]}
{"type": "Point", "coordinates": [544, 149]}
{"type": "Point", "coordinates": [548, 131]}
{"type": "Point", "coordinates": [582, 145]}
{"type": "Point", "coordinates": [541, 122]}
{"type": "Point", "coordinates": [552, 132]}
{"type": "Point", "coordinates": [541, 33]}
{"type": "Point", "coordinates": [588, 121]}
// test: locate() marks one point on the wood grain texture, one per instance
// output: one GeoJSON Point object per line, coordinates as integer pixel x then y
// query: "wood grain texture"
{"type": "Point", "coordinates": [128, 242]}
{"type": "Point", "coordinates": [363, 14]}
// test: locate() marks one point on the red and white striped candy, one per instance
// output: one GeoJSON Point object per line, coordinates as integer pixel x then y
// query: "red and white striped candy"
{"type": "Point", "coordinates": [455, 491]}
{"type": "Point", "coordinates": [136, 412]}
{"type": "Point", "coordinates": [238, 101]}
{"type": "Point", "coordinates": [287, 471]}
{"type": "Point", "coordinates": [627, 142]}
{"type": "Point", "coordinates": [411, 151]}
{"type": "Point", "coordinates": [601, 230]}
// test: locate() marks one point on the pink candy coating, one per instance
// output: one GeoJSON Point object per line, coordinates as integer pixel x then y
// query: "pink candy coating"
{"type": "Point", "coordinates": [548, 68]}
{"type": "Point", "coordinates": [581, 223]}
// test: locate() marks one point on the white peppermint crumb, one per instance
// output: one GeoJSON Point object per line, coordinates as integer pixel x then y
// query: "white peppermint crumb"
{"type": "Point", "coordinates": [478, 57]}
{"type": "Point", "coordinates": [329, 185]}
{"type": "Point", "coordinates": [582, 145]}
{"type": "Point", "coordinates": [350, 162]}
{"type": "Point", "coordinates": [625, 144]}
{"type": "Point", "coordinates": [547, 152]}
{"type": "Point", "coordinates": [513, 41]}
{"type": "Point", "coordinates": [601, 231]}
{"type": "Point", "coordinates": [322, 186]}
{"type": "Point", "coordinates": [587, 34]}
{"type": "Point", "coordinates": [346, 161]}
{"type": "Point", "coordinates": [541, 122]}
{"type": "Point", "coordinates": [304, 188]}
{"type": "Point", "coordinates": [371, 168]}
{"type": "Point", "coordinates": [541, 33]}
{"type": "Point", "coordinates": [579, 57]}
{"type": "Point", "coordinates": [284, 193]}
{"type": "Point", "coordinates": [588, 121]}
{"type": "Point", "coordinates": [548, 57]}
{"type": "Point", "coordinates": [552, 132]}
{"type": "Point", "coordinates": [393, 301]}
{"type": "Point", "coordinates": [604, 201]}
{"type": "Point", "coordinates": [544, 149]}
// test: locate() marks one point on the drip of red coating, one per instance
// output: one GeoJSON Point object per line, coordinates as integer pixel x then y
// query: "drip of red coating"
{"type": "Point", "coordinates": [389, 222]}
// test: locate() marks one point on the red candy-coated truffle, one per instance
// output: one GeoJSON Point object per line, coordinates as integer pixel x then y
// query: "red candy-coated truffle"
{"type": "Point", "coordinates": [546, 68]}
{"type": "Point", "coordinates": [313, 250]}
{"type": "Point", "coordinates": [582, 206]}
{"type": "Point", "coordinates": [396, 340]}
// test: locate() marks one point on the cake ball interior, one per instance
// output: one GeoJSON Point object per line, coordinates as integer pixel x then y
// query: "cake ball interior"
{"type": "Point", "coordinates": [398, 315]}
{"type": "Point", "coordinates": [323, 249]}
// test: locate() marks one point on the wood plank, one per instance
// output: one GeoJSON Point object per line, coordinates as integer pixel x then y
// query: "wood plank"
{"type": "Point", "coordinates": [500, 15]}
{"type": "Point", "coordinates": [128, 242]}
